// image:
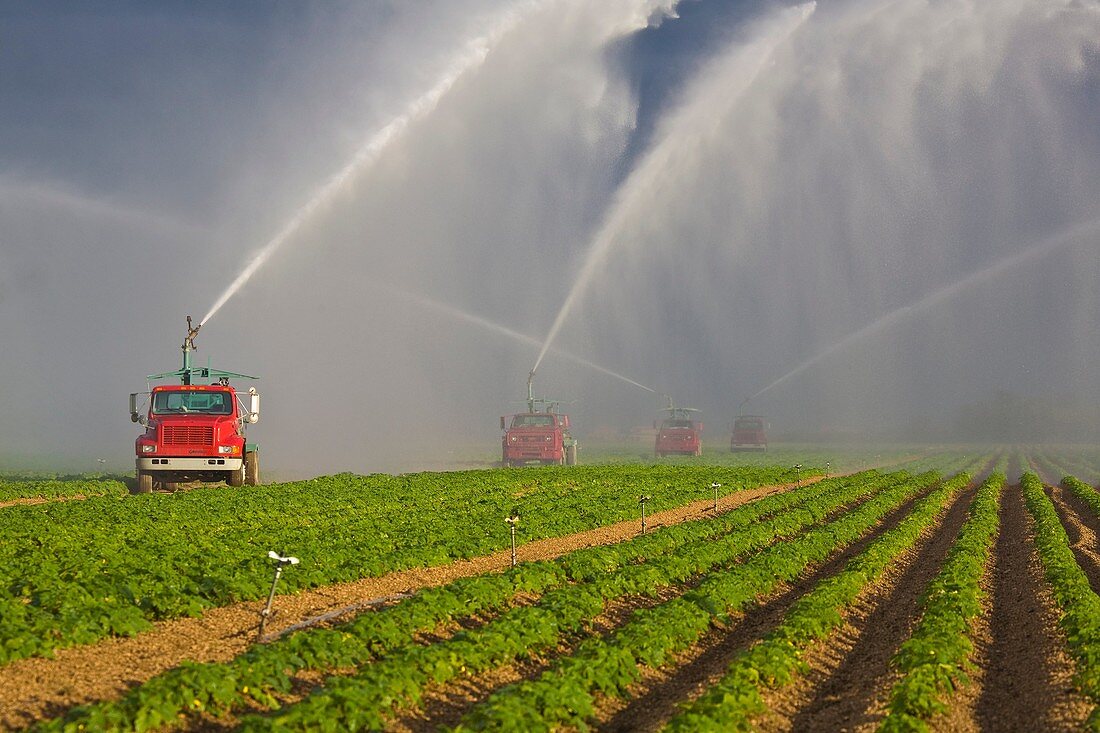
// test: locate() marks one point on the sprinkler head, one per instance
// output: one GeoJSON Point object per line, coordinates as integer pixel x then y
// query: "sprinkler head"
{"type": "Point", "coordinates": [716, 486]}
{"type": "Point", "coordinates": [512, 520]}
{"type": "Point", "coordinates": [643, 499]}
{"type": "Point", "coordinates": [282, 560]}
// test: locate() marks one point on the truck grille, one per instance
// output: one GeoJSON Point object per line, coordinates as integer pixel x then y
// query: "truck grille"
{"type": "Point", "coordinates": [188, 434]}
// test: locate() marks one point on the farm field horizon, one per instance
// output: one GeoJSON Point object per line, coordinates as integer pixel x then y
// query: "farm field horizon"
{"type": "Point", "coordinates": [779, 600]}
{"type": "Point", "coordinates": [550, 366]}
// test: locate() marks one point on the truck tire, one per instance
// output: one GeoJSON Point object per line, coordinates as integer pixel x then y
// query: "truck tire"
{"type": "Point", "coordinates": [571, 455]}
{"type": "Point", "coordinates": [235, 478]}
{"type": "Point", "coordinates": [252, 468]}
{"type": "Point", "coordinates": [144, 482]}
{"type": "Point", "coordinates": [169, 485]}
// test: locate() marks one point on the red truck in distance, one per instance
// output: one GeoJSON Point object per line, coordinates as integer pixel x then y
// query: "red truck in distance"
{"type": "Point", "coordinates": [750, 432]}
{"type": "Point", "coordinates": [679, 433]}
{"type": "Point", "coordinates": [196, 432]}
{"type": "Point", "coordinates": [539, 435]}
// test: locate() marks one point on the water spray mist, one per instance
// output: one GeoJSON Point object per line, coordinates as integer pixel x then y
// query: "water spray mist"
{"type": "Point", "coordinates": [471, 57]}
{"type": "Point", "coordinates": [644, 184]}
{"type": "Point", "coordinates": [485, 323]}
{"type": "Point", "coordinates": [1001, 267]}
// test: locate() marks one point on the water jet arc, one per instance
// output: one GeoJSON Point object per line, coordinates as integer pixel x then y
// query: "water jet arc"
{"type": "Point", "coordinates": [471, 57]}
{"type": "Point", "coordinates": [459, 314]}
{"type": "Point", "coordinates": [648, 176]}
{"type": "Point", "coordinates": [1035, 252]}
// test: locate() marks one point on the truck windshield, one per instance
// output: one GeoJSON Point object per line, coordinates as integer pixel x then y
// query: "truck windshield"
{"type": "Point", "coordinates": [678, 424]}
{"type": "Point", "coordinates": [205, 403]}
{"type": "Point", "coordinates": [528, 421]}
{"type": "Point", "coordinates": [748, 425]}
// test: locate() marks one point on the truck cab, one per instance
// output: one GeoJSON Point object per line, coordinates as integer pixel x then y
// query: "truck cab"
{"type": "Point", "coordinates": [679, 436]}
{"type": "Point", "coordinates": [749, 433]}
{"type": "Point", "coordinates": [196, 433]}
{"type": "Point", "coordinates": [195, 429]}
{"type": "Point", "coordinates": [679, 433]}
{"type": "Point", "coordinates": [537, 437]}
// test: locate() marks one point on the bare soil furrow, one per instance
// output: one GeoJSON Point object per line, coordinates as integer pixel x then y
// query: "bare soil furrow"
{"type": "Point", "coordinates": [33, 688]}
{"type": "Point", "coordinates": [32, 500]}
{"type": "Point", "coordinates": [653, 701]}
{"type": "Point", "coordinates": [1081, 526]}
{"type": "Point", "coordinates": [1028, 682]}
{"type": "Point", "coordinates": [444, 706]}
{"type": "Point", "coordinates": [851, 693]}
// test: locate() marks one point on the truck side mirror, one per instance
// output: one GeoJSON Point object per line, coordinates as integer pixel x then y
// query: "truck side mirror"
{"type": "Point", "coordinates": [253, 406]}
{"type": "Point", "coordinates": [502, 422]}
{"type": "Point", "coordinates": [565, 421]}
{"type": "Point", "coordinates": [135, 414]}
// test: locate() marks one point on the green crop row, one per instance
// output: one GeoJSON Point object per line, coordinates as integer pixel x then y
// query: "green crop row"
{"type": "Point", "coordinates": [1080, 606]}
{"type": "Point", "coordinates": [945, 463]}
{"type": "Point", "coordinates": [1084, 492]}
{"type": "Point", "coordinates": [774, 661]}
{"type": "Point", "coordinates": [565, 694]}
{"type": "Point", "coordinates": [364, 700]}
{"type": "Point", "coordinates": [57, 489]}
{"type": "Point", "coordinates": [268, 668]}
{"type": "Point", "coordinates": [935, 659]}
{"type": "Point", "coordinates": [78, 571]}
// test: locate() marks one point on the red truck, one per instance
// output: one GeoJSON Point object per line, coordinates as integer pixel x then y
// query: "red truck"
{"type": "Point", "coordinates": [749, 433]}
{"type": "Point", "coordinates": [679, 433]}
{"type": "Point", "coordinates": [196, 432]}
{"type": "Point", "coordinates": [539, 435]}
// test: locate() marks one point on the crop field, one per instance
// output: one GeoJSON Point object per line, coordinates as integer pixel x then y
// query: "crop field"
{"type": "Point", "coordinates": [901, 589]}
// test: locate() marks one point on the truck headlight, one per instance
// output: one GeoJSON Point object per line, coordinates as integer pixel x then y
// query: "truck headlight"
{"type": "Point", "coordinates": [148, 448]}
{"type": "Point", "coordinates": [549, 438]}
{"type": "Point", "coordinates": [227, 449]}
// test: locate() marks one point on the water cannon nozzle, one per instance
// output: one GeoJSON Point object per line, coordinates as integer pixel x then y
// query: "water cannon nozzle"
{"type": "Point", "coordinates": [189, 341]}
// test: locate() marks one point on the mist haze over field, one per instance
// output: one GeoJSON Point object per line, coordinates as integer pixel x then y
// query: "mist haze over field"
{"type": "Point", "coordinates": [758, 182]}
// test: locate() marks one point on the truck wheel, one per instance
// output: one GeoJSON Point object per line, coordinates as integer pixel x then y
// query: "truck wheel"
{"type": "Point", "coordinates": [571, 455]}
{"type": "Point", "coordinates": [145, 482]}
{"type": "Point", "coordinates": [236, 478]}
{"type": "Point", "coordinates": [169, 485]}
{"type": "Point", "coordinates": [252, 468]}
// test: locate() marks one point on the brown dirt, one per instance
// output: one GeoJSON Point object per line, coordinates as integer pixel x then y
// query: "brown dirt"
{"type": "Point", "coordinates": [850, 679]}
{"type": "Point", "coordinates": [655, 699]}
{"type": "Point", "coordinates": [1028, 676]}
{"type": "Point", "coordinates": [1082, 527]}
{"type": "Point", "coordinates": [33, 688]}
{"type": "Point", "coordinates": [445, 705]}
{"type": "Point", "coordinates": [40, 500]}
